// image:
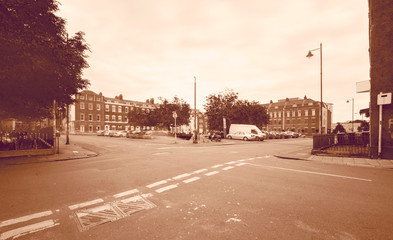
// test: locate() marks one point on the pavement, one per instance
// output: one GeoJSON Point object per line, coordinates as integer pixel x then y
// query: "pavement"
{"type": "Point", "coordinates": [73, 152]}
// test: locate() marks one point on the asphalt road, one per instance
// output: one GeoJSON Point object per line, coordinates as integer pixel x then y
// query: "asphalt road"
{"type": "Point", "coordinates": [150, 189]}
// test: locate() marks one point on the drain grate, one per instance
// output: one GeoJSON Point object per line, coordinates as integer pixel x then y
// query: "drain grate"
{"type": "Point", "coordinates": [110, 212]}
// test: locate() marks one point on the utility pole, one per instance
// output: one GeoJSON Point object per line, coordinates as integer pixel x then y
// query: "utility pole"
{"type": "Point", "coordinates": [195, 115]}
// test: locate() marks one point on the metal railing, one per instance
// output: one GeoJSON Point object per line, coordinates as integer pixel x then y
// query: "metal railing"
{"type": "Point", "coordinates": [352, 144]}
{"type": "Point", "coordinates": [25, 140]}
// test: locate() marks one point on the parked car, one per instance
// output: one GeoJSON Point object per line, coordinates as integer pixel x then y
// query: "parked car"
{"type": "Point", "coordinates": [108, 132]}
{"type": "Point", "coordinates": [242, 136]}
{"type": "Point", "coordinates": [100, 133]}
{"type": "Point", "coordinates": [121, 133]}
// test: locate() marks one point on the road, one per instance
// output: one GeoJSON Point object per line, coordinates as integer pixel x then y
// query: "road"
{"type": "Point", "coordinates": [150, 189]}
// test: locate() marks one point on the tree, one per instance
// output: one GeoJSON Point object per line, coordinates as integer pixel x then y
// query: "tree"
{"type": "Point", "coordinates": [339, 129]}
{"type": "Point", "coordinates": [219, 106]}
{"type": "Point", "coordinates": [164, 113]}
{"type": "Point", "coordinates": [39, 63]}
{"type": "Point", "coordinates": [226, 104]}
{"type": "Point", "coordinates": [138, 117]}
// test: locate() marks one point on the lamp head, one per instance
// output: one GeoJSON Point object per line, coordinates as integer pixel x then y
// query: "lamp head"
{"type": "Point", "coordinates": [309, 54]}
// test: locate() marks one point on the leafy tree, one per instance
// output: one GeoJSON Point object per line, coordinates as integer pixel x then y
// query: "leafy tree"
{"type": "Point", "coordinates": [138, 117]}
{"type": "Point", "coordinates": [226, 104]}
{"type": "Point", "coordinates": [219, 106]}
{"type": "Point", "coordinates": [39, 63]}
{"type": "Point", "coordinates": [339, 129]}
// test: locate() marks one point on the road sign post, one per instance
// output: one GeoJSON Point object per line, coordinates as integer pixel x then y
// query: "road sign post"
{"type": "Point", "coordinates": [174, 114]}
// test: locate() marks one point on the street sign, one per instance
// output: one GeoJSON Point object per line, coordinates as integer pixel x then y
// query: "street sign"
{"type": "Point", "coordinates": [384, 98]}
{"type": "Point", "coordinates": [174, 114]}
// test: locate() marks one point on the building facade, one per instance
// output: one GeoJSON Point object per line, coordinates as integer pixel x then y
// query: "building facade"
{"type": "Point", "coordinates": [93, 112]}
{"type": "Point", "coordinates": [299, 115]}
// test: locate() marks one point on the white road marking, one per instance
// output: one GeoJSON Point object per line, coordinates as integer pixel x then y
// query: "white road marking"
{"type": "Point", "coordinates": [316, 173]}
{"type": "Point", "coordinates": [122, 194]}
{"type": "Point", "coordinates": [240, 164]}
{"type": "Point", "coordinates": [160, 153]}
{"type": "Point", "coordinates": [28, 229]}
{"type": "Point", "coordinates": [131, 199]}
{"type": "Point", "coordinates": [75, 152]}
{"type": "Point", "coordinates": [80, 205]}
{"type": "Point", "coordinates": [191, 179]}
{"type": "Point", "coordinates": [25, 218]}
{"type": "Point", "coordinates": [227, 168]}
{"type": "Point", "coordinates": [200, 170]}
{"type": "Point", "coordinates": [241, 160]}
{"type": "Point", "coordinates": [156, 184]}
{"type": "Point", "coordinates": [211, 173]}
{"type": "Point", "coordinates": [167, 188]}
{"type": "Point", "coordinates": [233, 162]}
{"type": "Point", "coordinates": [216, 166]}
{"type": "Point", "coordinates": [181, 176]}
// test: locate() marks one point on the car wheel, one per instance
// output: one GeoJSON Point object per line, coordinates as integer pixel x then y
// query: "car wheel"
{"type": "Point", "coordinates": [245, 139]}
{"type": "Point", "coordinates": [229, 137]}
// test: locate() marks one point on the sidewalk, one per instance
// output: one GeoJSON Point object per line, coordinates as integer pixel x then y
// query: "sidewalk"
{"type": "Point", "coordinates": [67, 152]}
{"type": "Point", "coordinates": [350, 161]}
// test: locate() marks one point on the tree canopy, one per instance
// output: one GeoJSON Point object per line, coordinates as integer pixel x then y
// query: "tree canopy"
{"type": "Point", "coordinates": [38, 62]}
{"type": "Point", "coordinates": [226, 104]}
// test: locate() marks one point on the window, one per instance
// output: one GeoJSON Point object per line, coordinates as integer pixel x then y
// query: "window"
{"type": "Point", "coordinates": [279, 114]}
{"type": "Point", "coordinates": [82, 105]}
{"type": "Point", "coordinates": [107, 118]}
{"type": "Point", "coordinates": [119, 109]}
{"type": "Point", "coordinates": [113, 118]}
{"type": "Point", "coordinates": [126, 109]}
{"type": "Point", "coordinates": [90, 98]}
{"type": "Point", "coordinates": [306, 113]}
{"type": "Point", "coordinates": [288, 114]}
{"type": "Point", "coordinates": [312, 112]}
{"type": "Point", "coordinates": [113, 108]}
{"type": "Point", "coordinates": [90, 106]}
{"type": "Point", "coordinates": [98, 128]}
{"type": "Point", "coordinates": [299, 113]}
{"type": "Point", "coordinates": [82, 117]}
{"type": "Point", "coordinates": [119, 118]}
{"type": "Point", "coordinates": [98, 99]}
{"type": "Point", "coordinates": [90, 128]}
{"type": "Point", "coordinates": [275, 107]}
{"type": "Point", "coordinates": [98, 117]}
{"type": "Point", "coordinates": [106, 108]}
{"type": "Point", "coordinates": [310, 104]}
{"type": "Point", "coordinates": [275, 114]}
{"type": "Point", "coordinates": [82, 128]}
{"type": "Point", "coordinates": [293, 114]}
{"type": "Point", "coordinates": [98, 106]}
{"type": "Point", "coordinates": [125, 119]}
{"type": "Point", "coordinates": [90, 117]}
{"type": "Point", "coordinates": [82, 97]}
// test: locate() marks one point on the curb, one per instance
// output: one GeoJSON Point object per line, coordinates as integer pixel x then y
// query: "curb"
{"type": "Point", "coordinates": [291, 158]}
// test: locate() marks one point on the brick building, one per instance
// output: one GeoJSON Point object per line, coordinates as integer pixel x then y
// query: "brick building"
{"type": "Point", "coordinates": [93, 112]}
{"type": "Point", "coordinates": [298, 115]}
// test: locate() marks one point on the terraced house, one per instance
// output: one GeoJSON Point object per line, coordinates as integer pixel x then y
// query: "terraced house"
{"type": "Point", "coordinates": [92, 112]}
{"type": "Point", "coordinates": [299, 115]}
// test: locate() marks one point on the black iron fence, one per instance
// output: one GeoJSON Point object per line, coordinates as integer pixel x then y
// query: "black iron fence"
{"type": "Point", "coordinates": [14, 140]}
{"type": "Point", "coordinates": [353, 144]}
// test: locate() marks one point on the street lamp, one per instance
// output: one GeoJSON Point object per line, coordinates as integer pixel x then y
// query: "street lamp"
{"type": "Point", "coordinates": [353, 103]}
{"type": "Point", "coordinates": [309, 55]}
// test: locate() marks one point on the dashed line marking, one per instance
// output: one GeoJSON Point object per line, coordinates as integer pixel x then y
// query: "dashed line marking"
{"type": "Point", "coordinates": [25, 218]}
{"type": "Point", "coordinates": [28, 229]}
{"type": "Point", "coordinates": [122, 194]}
{"type": "Point", "coordinates": [230, 163]}
{"type": "Point", "coordinates": [240, 164]}
{"type": "Point", "coordinates": [227, 168]}
{"type": "Point", "coordinates": [211, 173]}
{"type": "Point", "coordinates": [160, 190]}
{"type": "Point", "coordinates": [156, 184]}
{"type": "Point", "coordinates": [217, 166]}
{"type": "Point", "coordinates": [200, 170]}
{"type": "Point", "coordinates": [84, 204]}
{"type": "Point", "coordinates": [181, 176]}
{"type": "Point", "coordinates": [191, 179]}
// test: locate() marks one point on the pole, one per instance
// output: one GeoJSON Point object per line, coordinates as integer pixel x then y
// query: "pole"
{"type": "Point", "coordinates": [195, 115]}
{"type": "Point", "coordinates": [175, 131]}
{"type": "Point", "coordinates": [68, 126]}
{"type": "Point", "coordinates": [380, 132]}
{"type": "Point", "coordinates": [320, 48]}
{"type": "Point", "coordinates": [353, 104]}
{"type": "Point", "coordinates": [54, 126]}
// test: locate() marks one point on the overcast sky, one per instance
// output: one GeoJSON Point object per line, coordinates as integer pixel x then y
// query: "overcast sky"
{"type": "Point", "coordinates": [154, 48]}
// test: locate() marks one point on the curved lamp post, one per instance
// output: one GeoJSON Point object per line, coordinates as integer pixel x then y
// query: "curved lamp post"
{"type": "Point", "coordinates": [309, 55]}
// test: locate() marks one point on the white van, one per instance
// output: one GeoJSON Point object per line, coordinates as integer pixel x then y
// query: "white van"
{"type": "Point", "coordinates": [247, 129]}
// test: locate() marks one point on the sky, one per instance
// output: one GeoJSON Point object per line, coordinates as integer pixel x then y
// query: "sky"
{"type": "Point", "coordinates": [155, 48]}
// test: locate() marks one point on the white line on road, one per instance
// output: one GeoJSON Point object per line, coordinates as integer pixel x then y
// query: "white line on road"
{"type": "Point", "coordinates": [156, 184]}
{"type": "Point", "coordinates": [122, 194]}
{"type": "Point", "coordinates": [316, 173]}
{"type": "Point", "coordinates": [211, 173]}
{"type": "Point", "coordinates": [28, 229]}
{"type": "Point", "coordinates": [217, 166]}
{"type": "Point", "coordinates": [227, 168]}
{"type": "Point", "coordinates": [160, 190]}
{"type": "Point", "coordinates": [240, 164]}
{"type": "Point", "coordinates": [200, 170]}
{"type": "Point", "coordinates": [25, 218]}
{"type": "Point", "coordinates": [85, 204]}
{"type": "Point", "coordinates": [191, 179]}
{"type": "Point", "coordinates": [181, 176]}
{"type": "Point", "coordinates": [233, 162]}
